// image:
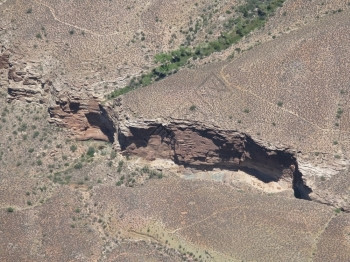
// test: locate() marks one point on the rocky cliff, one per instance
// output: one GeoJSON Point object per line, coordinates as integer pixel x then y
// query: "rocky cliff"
{"type": "Point", "coordinates": [84, 116]}
{"type": "Point", "coordinates": [192, 144]}
{"type": "Point", "coordinates": [195, 145]}
{"type": "Point", "coordinates": [69, 107]}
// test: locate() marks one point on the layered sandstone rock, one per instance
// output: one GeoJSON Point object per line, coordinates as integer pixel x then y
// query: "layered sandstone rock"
{"type": "Point", "coordinates": [24, 81]}
{"type": "Point", "coordinates": [193, 144]}
{"type": "Point", "coordinates": [84, 116]}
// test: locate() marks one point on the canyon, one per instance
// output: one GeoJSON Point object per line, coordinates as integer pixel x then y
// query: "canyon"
{"type": "Point", "coordinates": [174, 130]}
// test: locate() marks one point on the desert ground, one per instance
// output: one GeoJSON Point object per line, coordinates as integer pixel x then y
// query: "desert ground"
{"type": "Point", "coordinates": [241, 154]}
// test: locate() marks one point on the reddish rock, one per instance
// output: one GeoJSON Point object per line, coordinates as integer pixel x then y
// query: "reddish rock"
{"type": "Point", "coordinates": [85, 117]}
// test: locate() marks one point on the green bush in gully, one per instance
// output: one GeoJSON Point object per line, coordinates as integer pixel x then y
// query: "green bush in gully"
{"type": "Point", "coordinates": [252, 15]}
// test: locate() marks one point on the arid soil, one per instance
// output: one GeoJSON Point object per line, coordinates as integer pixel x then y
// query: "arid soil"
{"type": "Point", "coordinates": [240, 156]}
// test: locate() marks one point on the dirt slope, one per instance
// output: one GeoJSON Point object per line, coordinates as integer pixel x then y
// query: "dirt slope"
{"type": "Point", "coordinates": [290, 93]}
{"type": "Point", "coordinates": [242, 159]}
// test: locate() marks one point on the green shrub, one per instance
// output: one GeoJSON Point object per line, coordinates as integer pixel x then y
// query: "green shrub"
{"type": "Point", "coordinates": [91, 151]}
{"type": "Point", "coordinates": [23, 127]}
{"type": "Point", "coordinates": [113, 154]}
{"type": "Point", "coordinates": [10, 209]}
{"type": "Point", "coordinates": [36, 134]}
{"type": "Point", "coordinates": [338, 210]}
{"type": "Point", "coordinates": [73, 148]}
{"type": "Point", "coordinates": [78, 165]}
{"type": "Point", "coordinates": [339, 113]}
{"type": "Point", "coordinates": [120, 92]}
{"type": "Point", "coordinates": [145, 169]}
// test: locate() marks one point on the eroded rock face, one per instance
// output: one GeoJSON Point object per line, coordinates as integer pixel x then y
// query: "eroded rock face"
{"type": "Point", "coordinates": [84, 116]}
{"type": "Point", "coordinates": [27, 88]}
{"type": "Point", "coordinates": [195, 145]}
{"type": "Point", "coordinates": [78, 112]}
{"type": "Point", "coordinates": [189, 143]}
{"type": "Point", "coordinates": [4, 60]}
{"type": "Point", "coordinates": [24, 81]}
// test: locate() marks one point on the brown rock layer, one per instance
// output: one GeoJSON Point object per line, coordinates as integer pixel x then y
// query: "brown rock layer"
{"type": "Point", "coordinates": [195, 145]}
{"type": "Point", "coordinates": [85, 117]}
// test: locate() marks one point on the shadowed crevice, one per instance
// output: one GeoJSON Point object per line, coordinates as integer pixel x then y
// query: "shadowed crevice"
{"type": "Point", "coordinates": [103, 122]}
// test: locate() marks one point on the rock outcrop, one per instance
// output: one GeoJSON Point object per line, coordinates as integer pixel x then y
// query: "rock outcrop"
{"type": "Point", "coordinates": [24, 81]}
{"type": "Point", "coordinates": [84, 116]}
{"type": "Point", "coordinates": [195, 145]}
{"type": "Point", "coordinates": [27, 85]}
{"type": "Point", "coordinates": [80, 113]}
{"type": "Point", "coordinates": [4, 60]}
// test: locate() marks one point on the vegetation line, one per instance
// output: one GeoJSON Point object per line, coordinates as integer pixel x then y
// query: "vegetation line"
{"type": "Point", "coordinates": [251, 15]}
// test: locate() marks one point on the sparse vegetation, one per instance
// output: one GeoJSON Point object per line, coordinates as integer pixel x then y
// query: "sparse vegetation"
{"type": "Point", "coordinates": [113, 154]}
{"type": "Point", "coordinates": [78, 165]}
{"type": "Point", "coordinates": [338, 210]}
{"type": "Point", "coordinates": [253, 15]}
{"type": "Point", "coordinates": [36, 134]}
{"type": "Point", "coordinates": [73, 148]}
{"type": "Point", "coordinates": [120, 166]}
{"type": "Point", "coordinates": [339, 113]}
{"type": "Point", "coordinates": [91, 151]}
{"type": "Point", "coordinates": [103, 205]}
